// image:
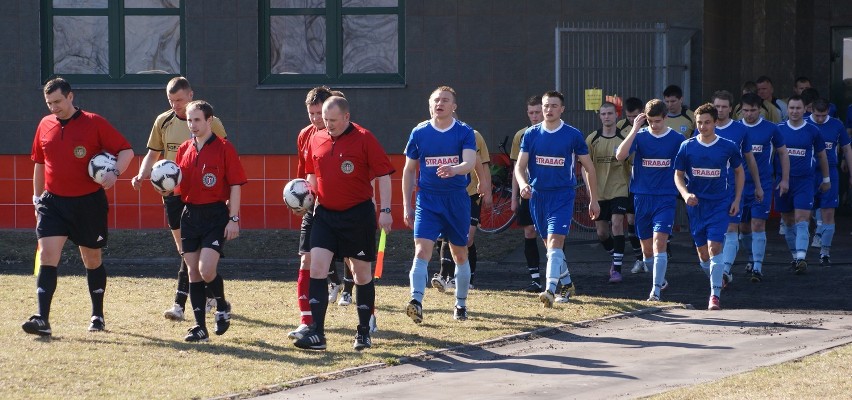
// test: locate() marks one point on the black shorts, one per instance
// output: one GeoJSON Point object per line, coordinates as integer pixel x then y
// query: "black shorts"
{"type": "Point", "coordinates": [349, 233]}
{"type": "Point", "coordinates": [83, 219]}
{"type": "Point", "coordinates": [174, 209]}
{"type": "Point", "coordinates": [631, 208]}
{"type": "Point", "coordinates": [524, 216]}
{"type": "Point", "coordinates": [305, 233]}
{"type": "Point", "coordinates": [616, 206]}
{"type": "Point", "coordinates": [203, 226]}
{"type": "Point", "coordinates": [475, 209]}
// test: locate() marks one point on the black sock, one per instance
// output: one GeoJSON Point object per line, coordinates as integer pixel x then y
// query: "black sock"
{"type": "Point", "coordinates": [198, 299]}
{"type": "Point", "coordinates": [532, 256]}
{"type": "Point", "coordinates": [617, 252]}
{"type": "Point", "coordinates": [217, 288]}
{"type": "Point", "coordinates": [333, 276]}
{"type": "Point", "coordinates": [608, 243]}
{"type": "Point", "coordinates": [471, 257]}
{"type": "Point", "coordinates": [348, 281]}
{"type": "Point", "coordinates": [45, 286]}
{"type": "Point", "coordinates": [448, 266]}
{"type": "Point", "coordinates": [365, 299]}
{"type": "Point", "coordinates": [318, 299]}
{"type": "Point", "coordinates": [208, 291]}
{"type": "Point", "coordinates": [634, 241]}
{"type": "Point", "coordinates": [97, 279]}
{"type": "Point", "coordinates": [182, 291]}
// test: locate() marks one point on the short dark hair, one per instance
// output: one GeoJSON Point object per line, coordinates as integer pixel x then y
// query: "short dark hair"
{"type": "Point", "coordinates": [337, 101]}
{"type": "Point", "coordinates": [801, 79]}
{"type": "Point", "coordinates": [317, 96]}
{"type": "Point", "coordinates": [752, 99]}
{"type": "Point", "coordinates": [58, 83]}
{"type": "Point", "coordinates": [608, 104]}
{"type": "Point", "coordinates": [763, 79]}
{"type": "Point", "coordinates": [809, 95]}
{"type": "Point", "coordinates": [554, 93]}
{"type": "Point", "coordinates": [723, 95]}
{"type": "Point", "coordinates": [534, 101]}
{"type": "Point", "coordinates": [178, 83]}
{"type": "Point", "coordinates": [202, 105]}
{"type": "Point", "coordinates": [673, 90]}
{"type": "Point", "coordinates": [820, 105]}
{"type": "Point", "coordinates": [749, 87]}
{"type": "Point", "coordinates": [632, 104]}
{"type": "Point", "coordinates": [655, 108]}
{"type": "Point", "coordinates": [795, 98]}
{"type": "Point", "coordinates": [708, 109]}
{"type": "Point", "coordinates": [445, 88]}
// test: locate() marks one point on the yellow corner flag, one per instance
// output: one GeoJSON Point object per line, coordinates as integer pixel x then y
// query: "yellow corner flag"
{"type": "Point", "coordinates": [37, 264]}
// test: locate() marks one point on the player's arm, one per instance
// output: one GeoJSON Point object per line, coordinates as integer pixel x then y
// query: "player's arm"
{"type": "Point", "coordinates": [623, 150]}
{"type": "Point", "coordinates": [232, 230]}
{"type": "Point", "coordinates": [784, 159]}
{"type": "Point", "coordinates": [38, 179]}
{"type": "Point", "coordinates": [823, 166]}
{"type": "Point", "coordinates": [516, 150]}
{"type": "Point", "coordinates": [122, 161]}
{"type": "Point", "coordinates": [520, 174]}
{"type": "Point", "coordinates": [409, 173]}
{"type": "Point", "coordinates": [591, 184]}
{"type": "Point", "coordinates": [145, 168]}
{"type": "Point", "coordinates": [680, 182]}
{"type": "Point", "coordinates": [483, 174]}
{"type": "Point", "coordinates": [462, 168]}
{"type": "Point", "coordinates": [847, 157]}
{"type": "Point", "coordinates": [755, 175]}
{"type": "Point", "coordinates": [385, 219]}
{"type": "Point", "coordinates": [739, 182]}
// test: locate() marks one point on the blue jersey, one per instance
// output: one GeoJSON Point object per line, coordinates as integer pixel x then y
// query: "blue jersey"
{"type": "Point", "coordinates": [834, 135]}
{"type": "Point", "coordinates": [434, 148]}
{"type": "Point", "coordinates": [849, 117]}
{"type": "Point", "coordinates": [553, 155]}
{"type": "Point", "coordinates": [653, 162]}
{"type": "Point", "coordinates": [765, 138]}
{"type": "Point", "coordinates": [706, 166]}
{"type": "Point", "coordinates": [802, 143]}
{"type": "Point", "coordinates": [737, 133]}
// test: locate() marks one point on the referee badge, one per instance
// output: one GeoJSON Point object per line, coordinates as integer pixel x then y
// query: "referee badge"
{"type": "Point", "coordinates": [209, 180]}
{"type": "Point", "coordinates": [347, 167]}
{"type": "Point", "coordinates": [79, 152]}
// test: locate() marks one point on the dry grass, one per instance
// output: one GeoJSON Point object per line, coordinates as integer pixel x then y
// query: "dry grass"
{"type": "Point", "coordinates": [143, 355]}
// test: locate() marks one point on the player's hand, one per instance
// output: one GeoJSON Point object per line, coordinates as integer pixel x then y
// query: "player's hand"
{"type": "Point", "coordinates": [385, 221]}
{"type": "Point", "coordinates": [526, 191]}
{"type": "Point", "coordinates": [446, 171]}
{"type": "Point", "coordinates": [758, 193]}
{"type": "Point", "coordinates": [487, 199]}
{"type": "Point", "coordinates": [299, 211]}
{"type": "Point", "coordinates": [408, 214]}
{"type": "Point", "coordinates": [640, 119]}
{"type": "Point", "coordinates": [514, 203]}
{"type": "Point", "coordinates": [691, 199]}
{"type": "Point", "coordinates": [735, 208]}
{"type": "Point", "coordinates": [844, 167]}
{"type": "Point", "coordinates": [784, 186]}
{"type": "Point", "coordinates": [594, 210]}
{"type": "Point", "coordinates": [109, 180]}
{"type": "Point", "coordinates": [232, 230]}
{"type": "Point", "coordinates": [823, 187]}
{"type": "Point", "coordinates": [136, 182]}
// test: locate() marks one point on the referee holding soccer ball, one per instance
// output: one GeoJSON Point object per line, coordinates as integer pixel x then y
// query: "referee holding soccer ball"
{"type": "Point", "coordinates": [68, 203]}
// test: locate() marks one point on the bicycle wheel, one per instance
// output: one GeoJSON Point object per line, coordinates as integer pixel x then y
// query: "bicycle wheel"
{"type": "Point", "coordinates": [499, 217]}
{"type": "Point", "coordinates": [581, 219]}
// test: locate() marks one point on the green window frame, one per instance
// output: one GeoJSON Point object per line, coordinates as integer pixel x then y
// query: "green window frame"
{"type": "Point", "coordinates": [116, 14]}
{"type": "Point", "coordinates": [336, 15]}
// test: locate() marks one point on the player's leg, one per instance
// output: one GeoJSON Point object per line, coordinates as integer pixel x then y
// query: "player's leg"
{"type": "Point", "coordinates": [643, 230]}
{"type": "Point", "coordinates": [602, 226]}
{"type": "Point", "coordinates": [558, 208]}
{"type": "Point", "coordinates": [321, 258]}
{"type": "Point", "coordinates": [531, 254]}
{"type": "Point", "coordinates": [631, 234]}
{"type": "Point", "coordinates": [475, 210]}
{"type": "Point", "coordinates": [827, 236]}
{"type": "Point", "coordinates": [89, 231]}
{"type": "Point", "coordinates": [443, 280]}
{"type": "Point", "coordinates": [96, 277]}
{"type": "Point", "coordinates": [697, 227]}
{"type": "Point", "coordinates": [662, 218]}
{"type": "Point", "coordinates": [365, 300]}
{"type": "Point", "coordinates": [208, 263]}
{"type": "Point", "coordinates": [50, 252]}
{"type": "Point", "coordinates": [303, 282]}
{"type": "Point", "coordinates": [803, 201]}
{"type": "Point", "coordinates": [618, 208]}
{"type": "Point", "coordinates": [456, 227]}
{"type": "Point", "coordinates": [427, 227]}
{"type": "Point", "coordinates": [197, 296]}
{"type": "Point", "coordinates": [173, 206]}
{"type": "Point", "coordinates": [758, 248]}
{"type": "Point", "coordinates": [348, 285]}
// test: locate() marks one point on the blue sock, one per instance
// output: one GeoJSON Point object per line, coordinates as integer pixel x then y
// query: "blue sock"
{"type": "Point", "coordinates": [555, 264]}
{"type": "Point", "coordinates": [746, 240]}
{"type": "Point", "coordinates": [661, 263]}
{"type": "Point", "coordinates": [649, 262]}
{"type": "Point", "coordinates": [705, 266]}
{"type": "Point", "coordinates": [758, 248]}
{"type": "Point", "coordinates": [418, 276]}
{"type": "Point", "coordinates": [790, 236]}
{"type": "Point", "coordinates": [716, 270]}
{"type": "Point", "coordinates": [564, 275]}
{"type": "Point", "coordinates": [729, 251]}
{"type": "Point", "coordinates": [462, 283]}
{"type": "Point", "coordinates": [801, 240]}
{"type": "Point", "coordinates": [827, 237]}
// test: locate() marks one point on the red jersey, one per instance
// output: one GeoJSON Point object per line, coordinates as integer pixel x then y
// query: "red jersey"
{"type": "Point", "coordinates": [65, 148]}
{"type": "Point", "coordinates": [209, 174]}
{"type": "Point", "coordinates": [345, 166]}
{"type": "Point", "coordinates": [302, 142]}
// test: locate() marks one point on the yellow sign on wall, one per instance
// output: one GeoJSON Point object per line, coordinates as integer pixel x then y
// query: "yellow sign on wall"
{"type": "Point", "coordinates": [593, 99]}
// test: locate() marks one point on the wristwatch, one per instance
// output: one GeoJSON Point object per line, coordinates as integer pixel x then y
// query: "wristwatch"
{"type": "Point", "coordinates": [385, 210]}
{"type": "Point", "coordinates": [235, 218]}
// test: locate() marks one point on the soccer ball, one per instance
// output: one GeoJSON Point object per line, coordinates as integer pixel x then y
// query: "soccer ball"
{"type": "Point", "coordinates": [101, 164]}
{"type": "Point", "coordinates": [299, 195]}
{"type": "Point", "coordinates": [165, 175]}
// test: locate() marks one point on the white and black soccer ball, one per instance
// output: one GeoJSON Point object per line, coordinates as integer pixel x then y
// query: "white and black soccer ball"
{"type": "Point", "coordinates": [101, 164]}
{"type": "Point", "coordinates": [165, 175]}
{"type": "Point", "coordinates": [299, 195]}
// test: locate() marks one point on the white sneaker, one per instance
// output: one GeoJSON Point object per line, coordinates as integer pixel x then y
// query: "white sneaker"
{"type": "Point", "coordinates": [345, 299]}
{"type": "Point", "coordinates": [653, 298]}
{"type": "Point", "coordinates": [817, 242]}
{"type": "Point", "coordinates": [439, 283]}
{"type": "Point", "coordinates": [175, 313]}
{"type": "Point", "coordinates": [639, 267]}
{"type": "Point", "coordinates": [299, 332]}
{"type": "Point", "coordinates": [334, 290]}
{"type": "Point", "coordinates": [211, 305]}
{"type": "Point", "coordinates": [450, 284]}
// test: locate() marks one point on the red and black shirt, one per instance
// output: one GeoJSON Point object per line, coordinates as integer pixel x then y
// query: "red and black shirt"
{"type": "Point", "coordinates": [209, 174]}
{"type": "Point", "coordinates": [302, 143]}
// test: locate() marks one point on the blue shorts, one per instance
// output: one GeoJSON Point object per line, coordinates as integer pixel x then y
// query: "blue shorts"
{"type": "Point", "coordinates": [736, 219]}
{"type": "Point", "coordinates": [551, 211]}
{"type": "Point", "coordinates": [831, 198]}
{"type": "Point", "coordinates": [654, 213]}
{"type": "Point", "coordinates": [799, 197]}
{"type": "Point", "coordinates": [708, 221]}
{"type": "Point", "coordinates": [752, 209]}
{"type": "Point", "coordinates": [446, 215]}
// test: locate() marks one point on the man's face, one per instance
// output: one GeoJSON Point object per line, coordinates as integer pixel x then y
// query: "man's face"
{"type": "Point", "coordinates": [315, 115]}
{"type": "Point", "coordinates": [534, 114]}
{"type": "Point", "coordinates": [820, 116]}
{"type": "Point", "coordinates": [198, 125]}
{"type": "Point", "coordinates": [723, 107]}
{"type": "Point", "coordinates": [800, 86]}
{"type": "Point", "coordinates": [657, 124]}
{"type": "Point", "coordinates": [552, 108]}
{"type": "Point", "coordinates": [59, 105]}
{"type": "Point", "coordinates": [795, 110]}
{"type": "Point", "coordinates": [179, 100]}
{"type": "Point", "coordinates": [442, 104]}
{"type": "Point", "coordinates": [765, 90]}
{"type": "Point", "coordinates": [750, 113]}
{"type": "Point", "coordinates": [673, 104]}
{"type": "Point", "coordinates": [631, 115]}
{"type": "Point", "coordinates": [335, 120]}
{"type": "Point", "coordinates": [607, 115]}
{"type": "Point", "coordinates": [706, 124]}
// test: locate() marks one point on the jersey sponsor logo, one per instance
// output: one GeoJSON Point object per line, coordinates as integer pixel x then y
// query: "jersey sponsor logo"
{"type": "Point", "coordinates": [79, 152]}
{"type": "Point", "coordinates": [209, 180]}
{"type": "Point", "coordinates": [441, 160]}
{"type": "Point", "coordinates": [550, 161]}
{"type": "Point", "coordinates": [757, 148]}
{"type": "Point", "coordinates": [172, 147]}
{"type": "Point", "coordinates": [796, 152]}
{"type": "Point", "coordinates": [829, 145]}
{"type": "Point", "coordinates": [656, 162]}
{"type": "Point", "coordinates": [706, 172]}
{"type": "Point", "coordinates": [347, 167]}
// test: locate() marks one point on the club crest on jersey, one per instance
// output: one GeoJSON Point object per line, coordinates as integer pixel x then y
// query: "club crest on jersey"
{"type": "Point", "coordinates": [209, 180]}
{"type": "Point", "coordinates": [441, 160]}
{"type": "Point", "coordinates": [79, 152]}
{"type": "Point", "coordinates": [656, 162]}
{"type": "Point", "coordinates": [550, 161]}
{"type": "Point", "coordinates": [706, 172]}
{"type": "Point", "coordinates": [683, 129]}
{"type": "Point", "coordinates": [757, 148]}
{"type": "Point", "coordinates": [796, 152]}
{"type": "Point", "coordinates": [347, 167]}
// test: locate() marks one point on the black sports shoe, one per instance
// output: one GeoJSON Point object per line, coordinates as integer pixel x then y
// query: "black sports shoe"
{"type": "Point", "coordinates": [749, 268]}
{"type": "Point", "coordinates": [196, 334]}
{"type": "Point", "coordinates": [223, 320]}
{"type": "Point", "coordinates": [415, 311]}
{"type": "Point", "coordinates": [36, 325]}
{"type": "Point", "coordinates": [756, 276]}
{"type": "Point", "coordinates": [460, 313]}
{"type": "Point", "coordinates": [311, 341]}
{"type": "Point", "coordinates": [362, 339]}
{"type": "Point", "coordinates": [534, 287]}
{"type": "Point", "coordinates": [97, 324]}
{"type": "Point", "coordinates": [824, 261]}
{"type": "Point", "coordinates": [800, 266]}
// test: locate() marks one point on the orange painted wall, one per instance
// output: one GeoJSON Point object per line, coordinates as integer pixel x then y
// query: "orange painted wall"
{"type": "Point", "coordinates": [262, 207]}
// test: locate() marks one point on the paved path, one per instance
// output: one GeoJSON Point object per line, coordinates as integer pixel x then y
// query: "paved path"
{"type": "Point", "coordinates": [615, 358]}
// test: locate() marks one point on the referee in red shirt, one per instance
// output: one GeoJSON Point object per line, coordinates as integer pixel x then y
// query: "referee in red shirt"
{"type": "Point", "coordinates": [212, 176]}
{"type": "Point", "coordinates": [341, 163]}
{"type": "Point", "coordinates": [68, 203]}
